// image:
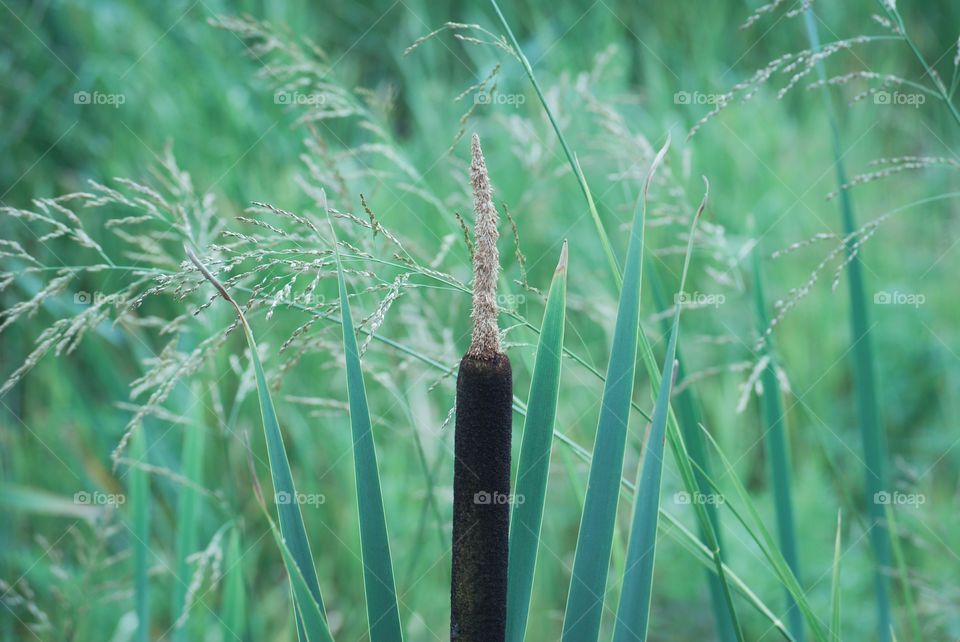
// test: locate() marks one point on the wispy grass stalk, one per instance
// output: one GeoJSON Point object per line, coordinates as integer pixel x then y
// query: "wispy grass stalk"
{"type": "Point", "coordinates": [578, 172]}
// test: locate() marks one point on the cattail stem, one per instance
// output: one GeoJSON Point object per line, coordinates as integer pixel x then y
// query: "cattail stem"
{"type": "Point", "coordinates": [481, 472]}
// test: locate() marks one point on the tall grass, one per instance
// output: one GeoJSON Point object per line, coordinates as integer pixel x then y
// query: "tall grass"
{"type": "Point", "coordinates": [778, 449]}
{"type": "Point", "coordinates": [865, 386]}
{"type": "Point", "coordinates": [589, 575]}
{"type": "Point", "coordinates": [379, 301]}
{"type": "Point", "coordinates": [633, 612]}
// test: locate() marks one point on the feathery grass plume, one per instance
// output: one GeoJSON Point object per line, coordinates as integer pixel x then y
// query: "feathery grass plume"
{"type": "Point", "coordinates": [484, 413]}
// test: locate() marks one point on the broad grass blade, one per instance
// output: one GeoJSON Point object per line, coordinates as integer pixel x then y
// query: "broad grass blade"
{"type": "Point", "coordinates": [778, 451]}
{"type": "Point", "coordinates": [535, 448]}
{"type": "Point", "coordinates": [865, 385]}
{"type": "Point", "coordinates": [378, 581]}
{"type": "Point", "coordinates": [592, 560]}
{"type": "Point", "coordinates": [633, 612]}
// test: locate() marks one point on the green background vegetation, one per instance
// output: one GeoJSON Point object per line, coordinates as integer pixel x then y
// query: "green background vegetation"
{"type": "Point", "coordinates": [769, 161]}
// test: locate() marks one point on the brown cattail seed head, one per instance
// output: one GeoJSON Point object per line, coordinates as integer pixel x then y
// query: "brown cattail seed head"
{"type": "Point", "coordinates": [485, 342]}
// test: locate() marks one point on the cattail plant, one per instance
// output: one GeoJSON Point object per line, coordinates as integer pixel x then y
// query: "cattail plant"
{"type": "Point", "coordinates": [481, 477]}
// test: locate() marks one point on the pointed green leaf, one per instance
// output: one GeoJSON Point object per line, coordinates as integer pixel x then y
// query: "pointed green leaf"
{"type": "Point", "coordinates": [292, 529]}
{"type": "Point", "coordinates": [378, 582]}
{"type": "Point", "coordinates": [778, 451]}
{"type": "Point", "coordinates": [633, 612]}
{"type": "Point", "coordinates": [534, 464]}
{"type": "Point", "coordinates": [592, 560]}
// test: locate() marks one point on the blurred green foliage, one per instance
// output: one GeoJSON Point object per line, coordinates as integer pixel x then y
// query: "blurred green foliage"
{"type": "Point", "coordinates": [189, 84]}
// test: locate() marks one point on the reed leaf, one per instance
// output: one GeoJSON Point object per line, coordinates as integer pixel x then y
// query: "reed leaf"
{"type": "Point", "coordinates": [378, 581]}
{"type": "Point", "coordinates": [835, 586]}
{"type": "Point", "coordinates": [865, 387]}
{"type": "Point", "coordinates": [534, 465]}
{"type": "Point", "coordinates": [140, 508]}
{"type": "Point", "coordinates": [778, 451]}
{"type": "Point", "coordinates": [293, 536]}
{"type": "Point", "coordinates": [633, 612]}
{"type": "Point", "coordinates": [592, 560]}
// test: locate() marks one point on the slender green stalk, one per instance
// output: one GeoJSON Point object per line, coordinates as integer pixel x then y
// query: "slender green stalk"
{"type": "Point", "coordinates": [868, 411]}
{"type": "Point", "coordinates": [685, 407]}
{"type": "Point", "coordinates": [904, 573]}
{"type": "Point", "coordinates": [835, 585]}
{"type": "Point", "coordinates": [778, 451]}
{"type": "Point", "coordinates": [188, 503]}
{"type": "Point", "coordinates": [894, 13]}
{"type": "Point", "coordinates": [581, 179]}
{"type": "Point", "coordinates": [140, 506]}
